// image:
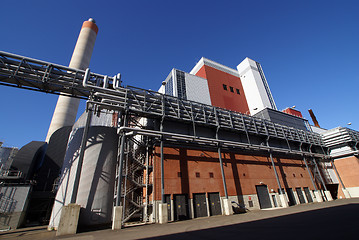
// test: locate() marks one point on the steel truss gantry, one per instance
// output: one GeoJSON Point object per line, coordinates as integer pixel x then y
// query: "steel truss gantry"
{"type": "Point", "coordinates": [133, 104]}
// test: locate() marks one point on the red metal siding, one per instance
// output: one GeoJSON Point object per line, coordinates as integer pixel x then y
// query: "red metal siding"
{"type": "Point", "coordinates": [293, 112]}
{"type": "Point", "coordinates": [224, 98]}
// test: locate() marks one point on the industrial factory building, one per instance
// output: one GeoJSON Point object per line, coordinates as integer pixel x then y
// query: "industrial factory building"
{"type": "Point", "coordinates": [211, 141]}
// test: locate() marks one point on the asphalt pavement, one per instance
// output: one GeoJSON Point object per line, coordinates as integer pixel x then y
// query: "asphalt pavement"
{"type": "Point", "coordinates": [337, 219]}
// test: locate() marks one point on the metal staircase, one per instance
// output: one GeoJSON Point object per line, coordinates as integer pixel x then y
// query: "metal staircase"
{"type": "Point", "coordinates": [136, 183]}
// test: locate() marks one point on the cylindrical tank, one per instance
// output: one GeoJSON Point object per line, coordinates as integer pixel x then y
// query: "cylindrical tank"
{"type": "Point", "coordinates": [96, 186]}
{"type": "Point", "coordinates": [66, 107]}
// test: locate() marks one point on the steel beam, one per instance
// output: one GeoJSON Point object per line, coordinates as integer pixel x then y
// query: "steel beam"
{"type": "Point", "coordinates": [222, 171]}
{"type": "Point", "coordinates": [320, 175]}
{"type": "Point", "coordinates": [310, 174]}
{"type": "Point", "coordinates": [81, 155]}
{"type": "Point", "coordinates": [336, 171]}
{"type": "Point", "coordinates": [275, 172]}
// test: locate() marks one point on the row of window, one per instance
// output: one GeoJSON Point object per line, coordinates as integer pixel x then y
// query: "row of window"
{"type": "Point", "coordinates": [231, 89]}
{"type": "Point", "coordinates": [211, 175]}
{"type": "Point", "coordinates": [198, 175]}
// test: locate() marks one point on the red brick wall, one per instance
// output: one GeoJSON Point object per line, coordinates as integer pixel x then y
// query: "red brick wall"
{"type": "Point", "coordinates": [348, 169]}
{"type": "Point", "coordinates": [242, 172]}
{"type": "Point", "coordinates": [224, 98]}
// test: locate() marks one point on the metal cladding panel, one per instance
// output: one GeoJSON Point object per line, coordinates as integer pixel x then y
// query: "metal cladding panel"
{"type": "Point", "coordinates": [27, 158]}
{"type": "Point", "coordinates": [197, 89]}
{"type": "Point", "coordinates": [220, 97]}
{"type": "Point", "coordinates": [293, 112]}
{"type": "Point", "coordinates": [283, 118]}
{"type": "Point", "coordinates": [13, 203]}
{"type": "Point", "coordinates": [95, 194]}
{"type": "Point", "coordinates": [255, 85]}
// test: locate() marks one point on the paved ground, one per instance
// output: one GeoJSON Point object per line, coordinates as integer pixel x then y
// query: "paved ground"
{"type": "Point", "coordinates": [330, 220]}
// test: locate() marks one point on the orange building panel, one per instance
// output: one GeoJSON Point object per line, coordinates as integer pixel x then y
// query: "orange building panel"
{"type": "Point", "coordinates": [233, 98]}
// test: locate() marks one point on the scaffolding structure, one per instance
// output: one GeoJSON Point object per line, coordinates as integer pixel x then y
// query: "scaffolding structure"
{"type": "Point", "coordinates": [134, 183]}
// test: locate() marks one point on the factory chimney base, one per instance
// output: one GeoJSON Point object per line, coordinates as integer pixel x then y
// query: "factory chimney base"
{"type": "Point", "coordinates": [69, 219]}
{"type": "Point", "coordinates": [328, 195]}
{"type": "Point", "coordinates": [162, 213]}
{"type": "Point", "coordinates": [318, 196]}
{"type": "Point", "coordinates": [283, 200]}
{"type": "Point", "coordinates": [117, 218]}
{"type": "Point", "coordinates": [346, 193]}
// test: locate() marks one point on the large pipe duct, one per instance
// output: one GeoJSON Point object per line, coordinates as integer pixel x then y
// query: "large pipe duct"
{"type": "Point", "coordinates": [66, 107]}
{"type": "Point", "coordinates": [313, 118]}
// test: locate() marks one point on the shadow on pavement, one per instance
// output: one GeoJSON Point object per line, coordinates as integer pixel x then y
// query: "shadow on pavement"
{"type": "Point", "coordinates": [341, 222]}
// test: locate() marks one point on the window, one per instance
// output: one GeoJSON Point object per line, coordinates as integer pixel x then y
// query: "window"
{"type": "Point", "coordinates": [231, 88]}
{"type": "Point", "coordinates": [211, 175]}
{"type": "Point", "coordinates": [293, 175]}
{"type": "Point", "coordinates": [225, 87]}
{"type": "Point", "coordinates": [237, 90]}
{"type": "Point", "coordinates": [198, 175]}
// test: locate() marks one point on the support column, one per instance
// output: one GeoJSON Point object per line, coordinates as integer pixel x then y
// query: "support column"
{"type": "Point", "coordinates": [345, 191]}
{"type": "Point", "coordinates": [317, 194]}
{"type": "Point", "coordinates": [162, 174]}
{"type": "Point", "coordinates": [81, 155]}
{"type": "Point", "coordinates": [118, 209]}
{"type": "Point", "coordinates": [282, 197]}
{"type": "Point", "coordinates": [310, 174]}
{"type": "Point", "coordinates": [326, 192]}
{"type": "Point", "coordinates": [70, 214]}
{"type": "Point", "coordinates": [226, 203]}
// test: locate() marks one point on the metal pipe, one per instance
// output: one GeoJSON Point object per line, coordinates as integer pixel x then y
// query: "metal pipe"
{"type": "Point", "coordinates": [211, 140]}
{"type": "Point", "coordinates": [310, 174]}
{"type": "Point", "coordinates": [81, 156]}
{"type": "Point", "coordinates": [275, 172]}
{"type": "Point", "coordinates": [320, 175]}
{"type": "Point", "coordinates": [120, 164]}
{"type": "Point", "coordinates": [222, 171]}
{"type": "Point", "coordinates": [162, 175]}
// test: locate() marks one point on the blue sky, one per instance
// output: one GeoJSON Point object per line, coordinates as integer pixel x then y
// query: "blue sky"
{"type": "Point", "coordinates": [308, 50]}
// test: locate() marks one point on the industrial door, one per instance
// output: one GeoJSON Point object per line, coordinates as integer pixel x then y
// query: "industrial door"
{"type": "Point", "coordinates": [199, 205]}
{"type": "Point", "coordinates": [300, 195]}
{"type": "Point", "coordinates": [180, 202]}
{"type": "Point", "coordinates": [308, 195]}
{"type": "Point", "coordinates": [263, 196]}
{"type": "Point", "coordinates": [290, 196]}
{"type": "Point", "coordinates": [168, 201]}
{"type": "Point", "coordinates": [214, 204]}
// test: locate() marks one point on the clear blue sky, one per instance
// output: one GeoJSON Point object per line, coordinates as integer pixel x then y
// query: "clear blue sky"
{"type": "Point", "coordinates": [308, 50]}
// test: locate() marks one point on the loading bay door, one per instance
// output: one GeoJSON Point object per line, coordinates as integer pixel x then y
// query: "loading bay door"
{"type": "Point", "coordinates": [307, 194]}
{"type": "Point", "coordinates": [181, 207]}
{"type": "Point", "coordinates": [263, 196]}
{"type": "Point", "coordinates": [300, 195]}
{"type": "Point", "coordinates": [291, 197]}
{"type": "Point", "coordinates": [214, 204]}
{"type": "Point", "coordinates": [199, 205]}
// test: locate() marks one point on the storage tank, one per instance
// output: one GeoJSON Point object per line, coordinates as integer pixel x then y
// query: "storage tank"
{"type": "Point", "coordinates": [96, 185]}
